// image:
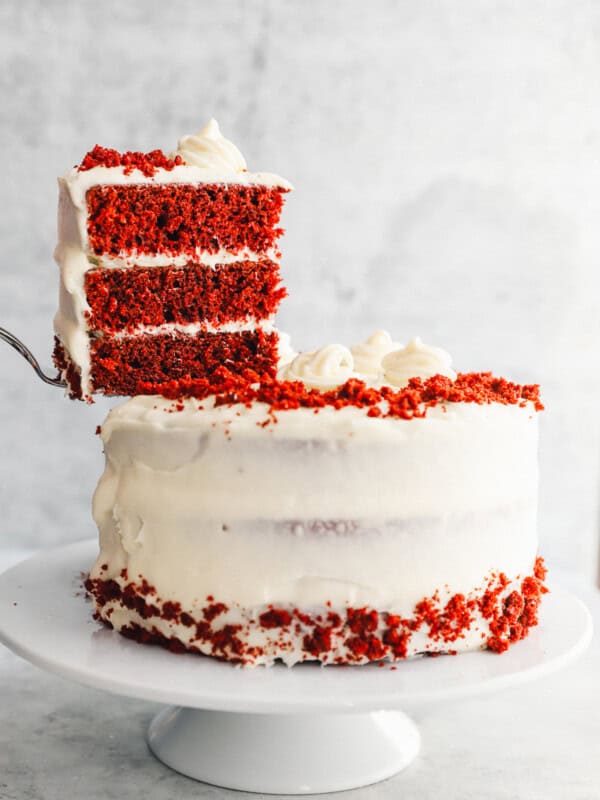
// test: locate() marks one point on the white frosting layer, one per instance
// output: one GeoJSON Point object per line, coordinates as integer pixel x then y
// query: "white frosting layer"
{"type": "Point", "coordinates": [285, 350]}
{"type": "Point", "coordinates": [194, 328]}
{"type": "Point", "coordinates": [334, 506]}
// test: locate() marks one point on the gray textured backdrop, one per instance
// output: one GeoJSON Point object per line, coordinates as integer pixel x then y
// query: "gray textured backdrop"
{"type": "Point", "coordinates": [447, 173]}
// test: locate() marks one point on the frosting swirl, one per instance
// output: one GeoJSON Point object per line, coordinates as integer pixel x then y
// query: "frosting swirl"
{"type": "Point", "coordinates": [416, 360]}
{"type": "Point", "coordinates": [322, 369]}
{"type": "Point", "coordinates": [369, 354]}
{"type": "Point", "coordinates": [209, 149]}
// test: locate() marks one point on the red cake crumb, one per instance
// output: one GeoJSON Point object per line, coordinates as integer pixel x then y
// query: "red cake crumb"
{"type": "Point", "coordinates": [181, 219]}
{"type": "Point", "coordinates": [362, 620]}
{"type": "Point", "coordinates": [212, 611]}
{"type": "Point", "coordinates": [133, 365]}
{"type": "Point", "coordinates": [366, 634]}
{"type": "Point", "coordinates": [147, 163]}
{"type": "Point", "coordinates": [408, 403]}
{"type": "Point", "coordinates": [518, 612]}
{"type": "Point", "coordinates": [318, 642]}
{"type": "Point", "coordinates": [122, 300]}
{"type": "Point", "coordinates": [66, 368]}
{"type": "Point", "coordinates": [275, 618]}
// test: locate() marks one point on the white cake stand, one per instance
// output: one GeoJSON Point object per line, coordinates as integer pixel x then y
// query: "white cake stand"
{"type": "Point", "coordinates": [285, 731]}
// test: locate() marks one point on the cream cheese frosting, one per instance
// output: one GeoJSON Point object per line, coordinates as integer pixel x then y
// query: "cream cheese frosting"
{"type": "Point", "coordinates": [314, 508]}
{"type": "Point", "coordinates": [369, 354]}
{"type": "Point", "coordinates": [416, 360]}
{"type": "Point", "coordinates": [209, 149]}
{"type": "Point", "coordinates": [286, 352]}
{"type": "Point", "coordinates": [379, 361]}
{"type": "Point", "coordinates": [322, 369]}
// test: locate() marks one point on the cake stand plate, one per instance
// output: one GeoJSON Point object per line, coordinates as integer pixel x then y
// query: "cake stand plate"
{"type": "Point", "coordinates": [285, 731]}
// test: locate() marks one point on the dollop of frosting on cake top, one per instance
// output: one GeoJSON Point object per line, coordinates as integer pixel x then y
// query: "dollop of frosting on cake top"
{"type": "Point", "coordinates": [416, 360]}
{"type": "Point", "coordinates": [369, 354]}
{"type": "Point", "coordinates": [323, 369]}
{"type": "Point", "coordinates": [209, 149]}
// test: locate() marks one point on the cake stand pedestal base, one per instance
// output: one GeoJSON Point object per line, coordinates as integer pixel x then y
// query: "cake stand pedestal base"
{"type": "Point", "coordinates": [284, 753]}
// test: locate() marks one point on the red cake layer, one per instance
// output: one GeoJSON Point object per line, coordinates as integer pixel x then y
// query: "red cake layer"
{"type": "Point", "coordinates": [365, 634]}
{"type": "Point", "coordinates": [125, 299]}
{"type": "Point", "coordinates": [67, 370]}
{"type": "Point", "coordinates": [131, 365]}
{"type": "Point", "coordinates": [176, 219]}
{"type": "Point", "coordinates": [120, 365]}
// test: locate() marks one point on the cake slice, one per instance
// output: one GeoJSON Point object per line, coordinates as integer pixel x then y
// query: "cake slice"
{"type": "Point", "coordinates": [169, 267]}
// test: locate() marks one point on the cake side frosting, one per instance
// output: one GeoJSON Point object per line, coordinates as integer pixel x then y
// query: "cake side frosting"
{"type": "Point", "coordinates": [319, 514]}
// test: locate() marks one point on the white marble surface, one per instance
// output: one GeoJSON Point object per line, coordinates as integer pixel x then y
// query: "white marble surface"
{"type": "Point", "coordinates": [538, 742]}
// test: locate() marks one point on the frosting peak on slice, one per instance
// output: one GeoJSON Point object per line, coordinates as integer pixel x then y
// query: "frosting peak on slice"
{"type": "Point", "coordinates": [209, 149]}
{"type": "Point", "coordinates": [416, 360]}
{"type": "Point", "coordinates": [322, 369]}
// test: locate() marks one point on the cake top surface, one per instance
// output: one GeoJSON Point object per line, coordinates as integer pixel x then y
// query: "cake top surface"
{"type": "Point", "coordinates": [283, 409]}
{"type": "Point", "coordinates": [321, 389]}
{"type": "Point", "coordinates": [204, 157]}
{"type": "Point", "coordinates": [380, 377]}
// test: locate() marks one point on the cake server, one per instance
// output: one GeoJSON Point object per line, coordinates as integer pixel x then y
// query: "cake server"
{"type": "Point", "coordinates": [18, 345]}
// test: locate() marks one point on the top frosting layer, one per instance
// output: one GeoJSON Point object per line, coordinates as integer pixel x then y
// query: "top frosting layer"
{"type": "Point", "coordinates": [259, 419]}
{"type": "Point", "coordinates": [411, 402]}
{"type": "Point", "coordinates": [206, 157]}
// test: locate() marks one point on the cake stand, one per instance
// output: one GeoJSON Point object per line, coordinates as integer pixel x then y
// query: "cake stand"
{"type": "Point", "coordinates": [285, 731]}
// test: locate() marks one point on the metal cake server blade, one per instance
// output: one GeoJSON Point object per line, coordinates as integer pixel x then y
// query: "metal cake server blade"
{"type": "Point", "coordinates": [18, 345]}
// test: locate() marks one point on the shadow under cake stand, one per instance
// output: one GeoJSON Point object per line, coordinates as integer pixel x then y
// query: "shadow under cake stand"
{"type": "Point", "coordinates": [286, 731]}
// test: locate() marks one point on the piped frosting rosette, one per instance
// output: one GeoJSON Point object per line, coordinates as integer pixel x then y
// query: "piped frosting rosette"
{"type": "Point", "coordinates": [369, 354]}
{"type": "Point", "coordinates": [416, 360]}
{"type": "Point", "coordinates": [322, 369]}
{"type": "Point", "coordinates": [209, 149]}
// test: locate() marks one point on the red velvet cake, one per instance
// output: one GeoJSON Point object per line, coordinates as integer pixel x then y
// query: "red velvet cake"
{"type": "Point", "coordinates": [169, 267]}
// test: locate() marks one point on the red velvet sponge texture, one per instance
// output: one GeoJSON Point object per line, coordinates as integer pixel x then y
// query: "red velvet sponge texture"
{"type": "Point", "coordinates": [181, 219]}
{"type": "Point", "coordinates": [121, 364]}
{"type": "Point", "coordinates": [122, 300]}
